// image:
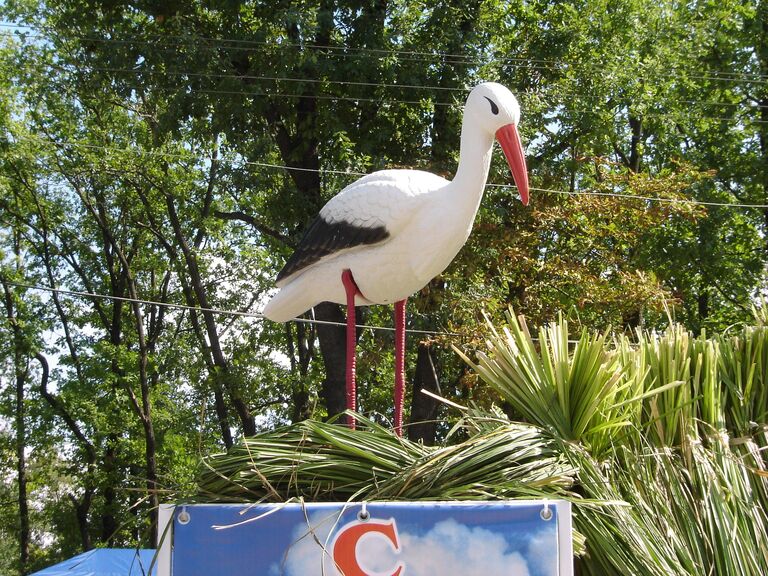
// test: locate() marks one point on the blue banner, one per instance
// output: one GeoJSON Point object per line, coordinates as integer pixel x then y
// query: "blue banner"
{"type": "Point", "coordinates": [373, 539]}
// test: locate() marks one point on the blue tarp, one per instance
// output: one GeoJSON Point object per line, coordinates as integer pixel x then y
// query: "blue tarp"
{"type": "Point", "coordinates": [104, 562]}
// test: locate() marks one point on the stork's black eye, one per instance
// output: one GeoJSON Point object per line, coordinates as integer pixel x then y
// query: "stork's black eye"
{"type": "Point", "coordinates": [494, 108]}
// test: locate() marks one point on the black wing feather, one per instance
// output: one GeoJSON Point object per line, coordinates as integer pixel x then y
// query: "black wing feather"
{"type": "Point", "coordinates": [323, 238]}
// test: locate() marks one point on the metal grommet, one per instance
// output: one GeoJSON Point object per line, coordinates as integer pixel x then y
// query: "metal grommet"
{"type": "Point", "coordinates": [546, 513]}
{"type": "Point", "coordinates": [183, 516]}
{"type": "Point", "coordinates": [364, 515]}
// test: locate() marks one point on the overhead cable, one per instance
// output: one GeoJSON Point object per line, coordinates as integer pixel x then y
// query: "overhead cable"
{"type": "Point", "coordinates": [344, 51]}
{"type": "Point", "coordinates": [351, 173]}
{"type": "Point", "coordinates": [243, 314]}
{"type": "Point", "coordinates": [331, 82]}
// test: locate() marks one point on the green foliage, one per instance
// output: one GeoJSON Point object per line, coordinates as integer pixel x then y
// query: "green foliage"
{"type": "Point", "coordinates": [669, 512]}
{"type": "Point", "coordinates": [318, 461]}
{"type": "Point", "coordinates": [675, 454]}
{"type": "Point", "coordinates": [668, 385]}
{"type": "Point", "coordinates": [662, 482]}
{"type": "Point", "coordinates": [582, 396]}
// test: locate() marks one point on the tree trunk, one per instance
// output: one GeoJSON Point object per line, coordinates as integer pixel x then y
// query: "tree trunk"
{"type": "Point", "coordinates": [333, 349]}
{"type": "Point", "coordinates": [150, 451]}
{"type": "Point", "coordinates": [21, 471]}
{"type": "Point", "coordinates": [369, 34]}
{"type": "Point", "coordinates": [109, 465]}
{"type": "Point", "coordinates": [632, 319]}
{"type": "Point", "coordinates": [21, 372]}
{"type": "Point", "coordinates": [143, 407]}
{"type": "Point", "coordinates": [445, 132]}
{"type": "Point", "coordinates": [702, 302]}
{"type": "Point", "coordinates": [762, 57]}
{"type": "Point", "coordinates": [21, 462]}
{"type": "Point", "coordinates": [223, 375]}
{"type": "Point", "coordinates": [635, 153]}
{"type": "Point", "coordinates": [302, 150]}
{"type": "Point", "coordinates": [423, 423]}
{"type": "Point", "coordinates": [82, 506]}
{"type": "Point", "coordinates": [300, 399]}
{"type": "Point", "coordinates": [111, 479]}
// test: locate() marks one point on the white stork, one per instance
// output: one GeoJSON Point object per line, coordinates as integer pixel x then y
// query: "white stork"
{"type": "Point", "coordinates": [385, 236]}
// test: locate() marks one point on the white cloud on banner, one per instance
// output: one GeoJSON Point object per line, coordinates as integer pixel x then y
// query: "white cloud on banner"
{"type": "Point", "coordinates": [540, 555]}
{"type": "Point", "coordinates": [304, 558]}
{"type": "Point", "coordinates": [449, 549]}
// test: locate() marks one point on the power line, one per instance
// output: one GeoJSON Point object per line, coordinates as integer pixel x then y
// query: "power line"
{"type": "Point", "coordinates": [222, 76]}
{"type": "Point", "coordinates": [391, 101]}
{"type": "Point", "coordinates": [267, 93]}
{"type": "Point", "coordinates": [326, 81]}
{"type": "Point", "coordinates": [261, 44]}
{"type": "Point", "coordinates": [375, 85]}
{"type": "Point", "coordinates": [650, 198]}
{"type": "Point", "coordinates": [255, 315]}
{"type": "Point", "coordinates": [341, 52]}
{"type": "Point", "coordinates": [396, 101]}
{"type": "Point", "coordinates": [358, 174]}
{"type": "Point", "coordinates": [344, 51]}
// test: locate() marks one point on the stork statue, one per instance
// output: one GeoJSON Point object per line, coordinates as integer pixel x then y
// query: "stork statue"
{"type": "Point", "coordinates": [385, 236]}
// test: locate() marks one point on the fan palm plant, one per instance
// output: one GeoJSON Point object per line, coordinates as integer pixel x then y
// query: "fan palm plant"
{"type": "Point", "coordinates": [591, 394]}
{"type": "Point", "coordinates": [659, 441]}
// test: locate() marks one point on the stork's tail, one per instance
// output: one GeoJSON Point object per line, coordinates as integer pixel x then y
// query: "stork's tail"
{"type": "Point", "coordinates": [292, 300]}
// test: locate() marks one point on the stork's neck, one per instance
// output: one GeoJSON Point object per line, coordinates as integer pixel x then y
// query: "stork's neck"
{"type": "Point", "coordinates": [474, 163]}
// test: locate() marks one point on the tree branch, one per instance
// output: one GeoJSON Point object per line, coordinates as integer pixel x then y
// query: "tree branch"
{"type": "Point", "coordinates": [256, 223]}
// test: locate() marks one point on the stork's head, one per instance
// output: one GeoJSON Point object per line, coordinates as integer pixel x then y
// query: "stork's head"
{"type": "Point", "coordinates": [495, 109]}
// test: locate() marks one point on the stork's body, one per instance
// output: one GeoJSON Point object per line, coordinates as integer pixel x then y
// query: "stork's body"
{"type": "Point", "coordinates": [419, 238]}
{"type": "Point", "coordinates": [395, 230]}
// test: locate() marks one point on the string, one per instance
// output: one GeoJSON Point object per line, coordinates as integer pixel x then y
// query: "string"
{"type": "Point", "coordinates": [239, 313]}
{"type": "Point", "coordinates": [247, 44]}
{"type": "Point", "coordinates": [692, 202]}
{"type": "Point", "coordinates": [326, 81]}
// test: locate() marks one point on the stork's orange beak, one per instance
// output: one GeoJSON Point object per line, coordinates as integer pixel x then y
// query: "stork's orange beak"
{"type": "Point", "coordinates": [513, 150]}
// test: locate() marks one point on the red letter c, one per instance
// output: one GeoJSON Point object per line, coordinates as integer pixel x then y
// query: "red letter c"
{"type": "Point", "coordinates": [345, 545]}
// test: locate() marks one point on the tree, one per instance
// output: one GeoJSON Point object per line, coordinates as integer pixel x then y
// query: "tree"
{"type": "Point", "coordinates": [175, 153]}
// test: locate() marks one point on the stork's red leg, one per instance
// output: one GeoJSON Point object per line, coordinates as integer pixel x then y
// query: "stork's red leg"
{"type": "Point", "coordinates": [352, 290]}
{"type": "Point", "coordinates": [399, 365]}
